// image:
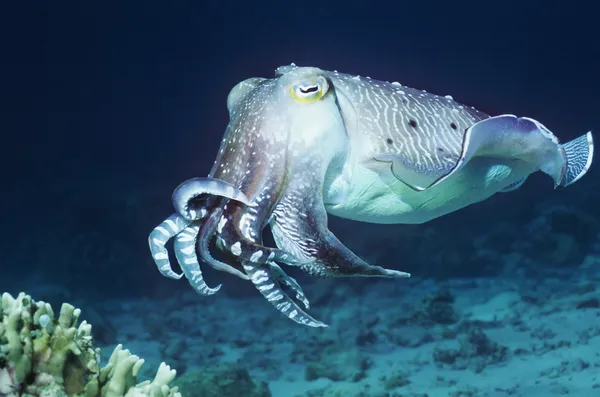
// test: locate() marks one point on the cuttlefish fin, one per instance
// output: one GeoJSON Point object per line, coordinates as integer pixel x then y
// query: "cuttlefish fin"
{"type": "Point", "coordinates": [527, 140]}
{"type": "Point", "coordinates": [299, 226]}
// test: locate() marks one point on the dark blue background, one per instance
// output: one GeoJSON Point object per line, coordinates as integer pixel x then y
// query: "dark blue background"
{"type": "Point", "coordinates": [109, 105]}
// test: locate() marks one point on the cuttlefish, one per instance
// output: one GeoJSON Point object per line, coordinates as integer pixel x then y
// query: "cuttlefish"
{"type": "Point", "coordinates": [309, 142]}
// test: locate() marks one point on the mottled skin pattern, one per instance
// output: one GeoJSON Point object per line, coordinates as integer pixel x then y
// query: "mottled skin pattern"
{"type": "Point", "coordinates": [308, 142]}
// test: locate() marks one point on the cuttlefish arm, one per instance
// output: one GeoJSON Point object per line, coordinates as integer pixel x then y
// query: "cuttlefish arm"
{"type": "Point", "coordinates": [189, 198]}
{"type": "Point", "coordinates": [299, 226]}
{"type": "Point", "coordinates": [246, 224]}
{"type": "Point", "coordinates": [202, 199]}
{"type": "Point", "coordinates": [198, 206]}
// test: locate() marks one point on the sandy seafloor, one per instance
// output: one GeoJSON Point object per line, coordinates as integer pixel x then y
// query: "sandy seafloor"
{"type": "Point", "coordinates": [492, 337]}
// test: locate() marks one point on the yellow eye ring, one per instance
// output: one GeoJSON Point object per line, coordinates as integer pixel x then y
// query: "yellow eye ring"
{"type": "Point", "coordinates": [307, 92]}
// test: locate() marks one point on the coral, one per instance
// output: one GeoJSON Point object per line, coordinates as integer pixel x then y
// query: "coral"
{"type": "Point", "coordinates": [41, 355]}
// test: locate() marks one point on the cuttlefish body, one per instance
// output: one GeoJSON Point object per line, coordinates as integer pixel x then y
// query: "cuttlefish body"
{"type": "Point", "coordinates": [308, 142]}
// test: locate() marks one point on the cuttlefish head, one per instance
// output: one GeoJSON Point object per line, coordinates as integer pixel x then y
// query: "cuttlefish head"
{"type": "Point", "coordinates": [274, 123]}
{"type": "Point", "coordinates": [283, 135]}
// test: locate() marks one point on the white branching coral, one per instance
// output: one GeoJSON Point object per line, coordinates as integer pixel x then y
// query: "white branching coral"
{"type": "Point", "coordinates": [41, 355]}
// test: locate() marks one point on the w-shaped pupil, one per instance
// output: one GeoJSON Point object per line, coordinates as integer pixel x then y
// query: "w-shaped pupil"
{"type": "Point", "coordinates": [313, 88]}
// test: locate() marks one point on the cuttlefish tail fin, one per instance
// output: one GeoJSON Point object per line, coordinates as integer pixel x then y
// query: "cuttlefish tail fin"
{"type": "Point", "coordinates": [578, 155]}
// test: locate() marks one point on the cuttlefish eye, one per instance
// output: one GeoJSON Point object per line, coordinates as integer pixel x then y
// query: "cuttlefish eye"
{"type": "Point", "coordinates": [309, 91]}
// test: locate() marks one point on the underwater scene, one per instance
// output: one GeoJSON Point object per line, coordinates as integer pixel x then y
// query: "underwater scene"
{"type": "Point", "coordinates": [307, 199]}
